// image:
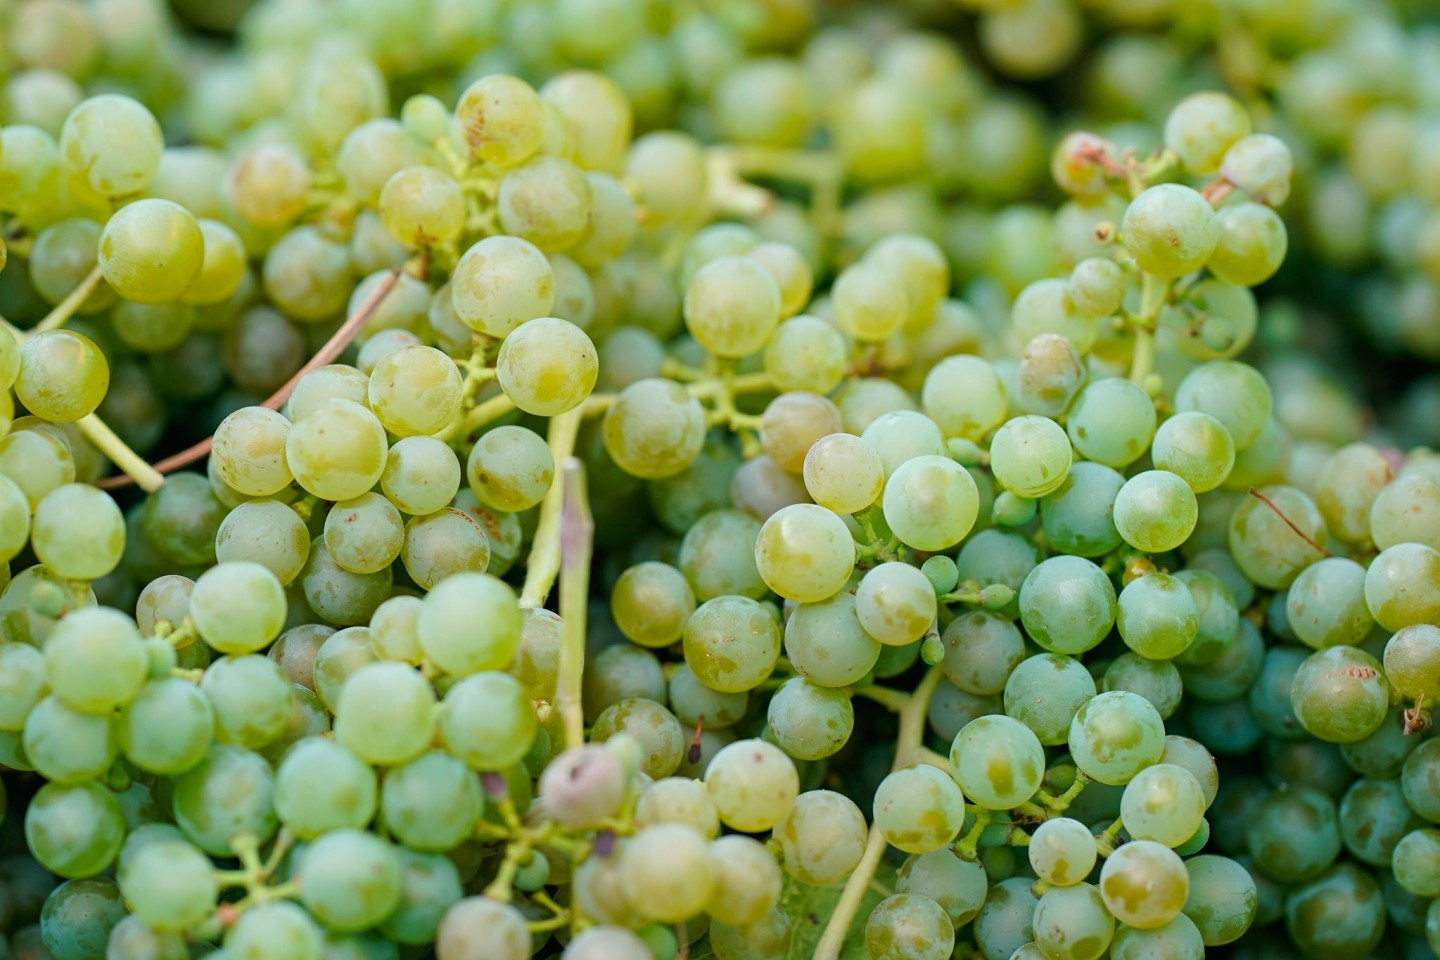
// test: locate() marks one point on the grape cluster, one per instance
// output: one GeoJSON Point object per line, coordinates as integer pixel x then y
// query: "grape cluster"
{"type": "Point", "coordinates": [632, 481]}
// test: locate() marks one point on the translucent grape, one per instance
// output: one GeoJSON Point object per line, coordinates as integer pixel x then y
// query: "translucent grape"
{"type": "Point", "coordinates": [501, 282]}
{"type": "Point", "coordinates": [151, 251]}
{"type": "Point", "coordinates": [654, 429]}
{"type": "Point", "coordinates": [931, 502]}
{"type": "Point", "coordinates": [547, 366]}
{"type": "Point", "coordinates": [486, 721]}
{"type": "Point", "coordinates": [964, 396]}
{"type": "Point", "coordinates": [114, 143]}
{"type": "Point", "coordinates": [1155, 511]}
{"type": "Point", "coordinates": [350, 880]}
{"type": "Point", "coordinates": [1067, 604]}
{"type": "Point", "coordinates": [909, 927]}
{"type": "Point", "coordinates": [63, 375]}
{"type": "Point", "coordinates": [1195, 447]}
{"type": "Point", "coordinates": [74, 831]}
{"type": "Point", "coordinates": [251, 698]}
{"type": "Point", "coordinates": [804, 553]}
{"type": "Point", "coordinates": [1045, 692]}
{"type": "Point", "coordinates": [732, 305]}
{"type": "Point", "coordinates": [826, 644]}
{"type": "Point", "coordinates": [339, 453]}
{"type": "Point", "coordinates": [753, 784]}
{"type": "Point", "coordinates": [809, 721]}
{"type": "Point", "coordinates": [1397, 586]}
{"type": "Point", "coordinates": [1030, 456]}
{"type": "Point", "coordinates": [385, 713]}
{"type": "Point", "coordinates": [1062, 851]}
{"type": "Point", "coordinates": [1170, 229]}
{"type": "Point", "coordinates": [1115, 736]}
{"type": "Point", "coordinates": [1144, 884]}
{"type": "Point", "coordinates": [95, 660]}
{"type": "Point", "coordinates": [1233, 393]}
{"type": "Point", "coordinates": [731, 643]}
{"type": "Point", "coordinates": [792, 423]}
{"type": "Point", "coordinates": [998, 762]}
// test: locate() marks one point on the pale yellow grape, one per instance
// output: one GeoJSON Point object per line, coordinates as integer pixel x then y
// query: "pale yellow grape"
{"type": "Point", "coordinates": [114, 143]}
{"type": "Point", "coordinates": [792, 423]}
{"type": "Point", "coordinates": [870, 302]}
{"type": "Point", "coordinates": [547, 366]}
{"type": "Point", "coordinates": [806, 353]}
{"type": "Point", "coordinates": [931, 502]}
{"type": "Point", "coordinates": [748, 881]}
{"type": "Point", "coordinates": [268, 185]}
{"type": "Point", "coordinates": [822, 838]}
{"type": "Point", "coordinates": [547, 201]}
{"type": "Point", "coordinates": [500, 283]}
{"type": "Point", "coordinates": [63, 376]}
{"type": "Point", "coordinates": [843, 473]}
{"type": "Point", "coordinates": [666, 872]}
{"type": "Point", "coordinates": [1030, 456]}
{"type": "Point", "coordinates": [422, 206]}
{"type": "Point", "coordinates": [151, 251]}
{"type": "Point", "coordinates": [754, 785]}
{"type": "Point", "coordinates": [598, 115]}
{"type": "Point", "coordinates": [1144, 884]}
{"type": "Point", "coordinates": [416, 391]}
{"type": "Point", "coordinates": [510, 468]}
{"type": "Point", "coordinates": [223, 268]}
{"type": "Point", "coordinates": [249, 451]}
{"type": "Point", "coordinates": [654, 429]}
{"type": "Point", "coordinates": [1202, 127]}
{"type": "Point", "coordinates": [78, 532]}
{"type": "Point", "coordinates": [422, 475]}
{"type": "Point", "coordinates": [790, 271]}
{"type": "Point", "coordinates": [501, 119]}
{"type": "Point", "coordinates": [337, 381]}
{"type": "Point", "coordinates": [446, 542]}
{"type": "Point", "coordinates": [804, 553]}
{"type": "Point", "coordinates": [338, 452]}
{"type": "Point", "coordinates": [732, 305]}
{"type": "Point", "coordinates": [965, 397]}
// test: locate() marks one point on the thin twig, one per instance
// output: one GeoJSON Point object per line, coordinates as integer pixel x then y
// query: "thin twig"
{"type": "Point", "coordinates": [1288, 522]}
{"type": "Point", "coordinates": [577, 530]}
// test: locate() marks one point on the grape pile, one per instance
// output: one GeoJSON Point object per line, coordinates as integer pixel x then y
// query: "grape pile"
{"type": "Point", "coordinates": [749, 480]}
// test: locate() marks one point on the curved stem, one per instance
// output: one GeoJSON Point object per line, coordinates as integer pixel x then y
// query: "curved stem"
{"type": "Point", "coordinates": [479, 415]}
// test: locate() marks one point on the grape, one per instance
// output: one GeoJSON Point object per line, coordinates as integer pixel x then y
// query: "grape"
{"type": "Point", "coordinates": [227, 794]}
{"type": "Point", "coordinates": [1265, 546]}
{"type": "Point", "coordinates": [74, 831]}
{"type": "Point", "coordinates": [753, 784]}
{"type": "Point", "coordinates": [1062, 851]}
{"type": "Point", "coordinates": [1259, 164]}
{"type": "Point", "coordinates": [826, 644]}
{"type": "Point", "coordinates": [1157, 617]}
{"type": "Point", "coordinates": [805, 353]}
{"type": "Point", "coordinates": [1293, 835]}
{"type": "Point", "coordinates": [66, 746]}
{"type": "Point", "coordinates": [1144, 884]}
{"type": "Point", "coordinates": [132, 938]}
{"type": "Point", "coordinates": [322, 786]}
{"type": "Point", "coordinates": [485, 720]}
{"type": "Point", "coordinates": [1233, 393]}
{"type": "Point", "coordinates": [500, 283]}
{"type": "Point", "coordinates": [804, 553]}
{"type": "Point", "coordinates": [430, 803]}
{"type": "Point", "coordinates": [1412, 661]}
{"type": "Point", "coordinates": [792, 423]}
{"type": "Point", "coordinates": [666, 871]}
{"type": "Point", "coordinates": [1197, 448]}
{"type": "Point", "coordinates": [909, 927]}
{"type": "Point", "coordinates": [809, 721]}
{"type": "Point", "coordinates": [1115, 735]}
{"type": "Point", "coordinates": [63, 376]}
{"type": "Point", "coordinates": [1170, 230]}
{"type": "Point", "coordinates": [621, 672]}
{"type": "Point", "coordinates": [77, 919]}
{"type": "Point", "coordinates": [1395, 588]}
{"type": "Point", "coordinates": [732, 305]}
{"type": "Point", "coordinates": [656, 731]}
{"type": "Point", "coordinates": [964, 396]}
{"type": "Point", "coordinates": [350, 880]}
{"type": "Point", "coordinates": [1045, 692]}
{"type": "Point", "coordinates": [654, 429]}
{"type": "Point", "coordinates": [731, 643]}
{"type": "Point", "coordinates": [1004, 923]}
{"type": "Point", "coordinates": [501, 119]}
{"type": "Point", "coordinates": [431, 886]}
{"type": "Point", "coordinates": [930, 502]}
{"type": "Point", "coordinates": [114, 143]}
{"type": "Point", "coordinates": [414, 390]}
{"type": "Point", "coordinates": [95, 660]}
{"type": "Point", "coordinates": [169, 884]}
{"type": "Point", "coordinates": [547, 366]}
{"type": "Point", "coordinates": [1341, 909]}
{"type": "Point", "coordinates": [1030, 456]}
{"type": "Point", "coordinates": [998, 762]}
{"type": "Point", "coordinates": [1067, 604]}
{"type": "Point", "coordinates": [919, 809]}
{"type": "Point", "coordinates": [959, 886]}
{"type": "Point", "coordinates": [510, 468]}
{"type": "Point", "coordinates": [22, 683]}
{"type": "Point", "coordinates": [251, 698]}
{"type": "Point", "coordinates": [1163, 803]}
{"type": "Point", "coordinates": [238, 607]}
{"type": "Point", "coordinates": [422, 475]}
{"type": "Point", "coordinates": [1155, 511]}
{"type": "Point", "coordinates": [982, 649]}
{"type": "Point", "coordinates": [453, 610]}
{"type": "Point", "coordinates": [1340, 694]}
{"type": "Point", "coordinates": [1073, 921]}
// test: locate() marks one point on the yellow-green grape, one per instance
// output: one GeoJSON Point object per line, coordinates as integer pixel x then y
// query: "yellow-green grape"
{"type": "Point", "coordinates": [336, 381]}
{"type": "Point", "coordinates": [510, 468]}
{"type": "Point", "coordinates": [806, 353]}
{"type": "Point", "coordinates": [63, 376]}
{"type": "Point", "coordinates": [1400, 585]}
{"type": "Point", "coordinates": [1097, 286]}
{"type": "Point", "coordinates": [1170, 230]}
{"type": "Point", "coordinates": [446, 542]}
{"type": "Point", "coordinates": [14, 519]}
{"type": "Point", "coordinates": [375, 151]}
{"type": "Point", "coordinates": [112, 142]}
{"type": "Point", "coordinates": [651, 603]}
{"type": "Point", "coordinates": [669, 168]}
{"type": "Point", "coordinates": [308, 276]}
{"type": "Point", "coordinates": [732, 306]}
{"type": "Point", "coordinates": [60, 259]}
{"type": "Point", "coordinates": [1163, 803]}
{"type": "Point", "coordinates": [748, 880]}
{"type": "Point", "coordinates": [1144, 884]}
{"type": "Point", "coordinates": [754, 785]}
{"type": "Point", "coordinates": [501, 119]}
{"type": "Point", "coordinates": [1264, 543]}
{"type": "Point", "coordinates": [1202, 127]}
{"type": "Point", "coordinates": [1045, 306]}
{"type": "Point", "coordinates": [612, 222]}
{"type": "Point", "coordinates": [249, 451]}
{"type": "Point", "coordinates": [151, 251]}
{"type": "Point", "coordinates": [805, 553]}
{"type": "Point", "coordinates": [654, 429]}
{"type": "Point", "coordinates": [78, 532]}
{"type": "Point", "coordinates": [338, 452]}
{"type": "Point", "coordinates": [667, 872]}
{"type": "Point", "coordinates": [416, 391]}
{"type": "Point", "coordinates": [791, 272]}
{"type": "Point", "coordinates": [931, 502]}
{"type": "Point", "coordinates": [794, 421]}
{"type": "Point", "coordinates": [152, 327]}
{"type": "Point", "coordinates": [9, 359]}
{"type": "Point", "coordinates": [1030, 456]}
{"type": "Point", "coordinates": [919, 809]}
{"type": "Point", "coordinates": [269, 185]}
{"type": "Point", "coordinates": [731, 643]}
{"type": "Point", "coordinates": [965, 397]}
{"type": "Point", "coordinates": [1252, 244]}
{"type": "Point", "coordinates": [547, 202]}
{"type": "Point", "coordinates": [843, 473]}
{"type": "Point", "coordinates": [921, 265]}
{"type": "Point", "coordinates": [881, 130]}
{"type": "Point", "coordinates": [547, 366]}
{"type": "Point", "coordinates": [1261, 165]}
{"type": "Point", "coordinates": [29, 173]}
{"type": "Point", "coordinates": [1155, 511]}
{"type": "Point", "coordinates": [598, 115]}
{"type": "Point", "coordinates": [500, 283]}
{"type": "Point", "coordinates": [998, 762]}
{"type": "Point", "coordinates": [895, 604]}
{"type": "Point", "coordinates": [870, 302]}
{"type": "Point", "coordinates": [364, 535]}
{"type": "Point", "coordinates": [767, 102]}
{"type": "Point", "coordinates": [223, 267]}
{"type": "Point", "coordinates": [422, 474]}
{"type": "Point", "coordinates": [1050, 375]}
{"type": "Point", "coordinates": [1075, 164]}
{"type": "Point", "coordinates": [422, 206]}
{"type": "Point", "coordinates": [1062, 851]}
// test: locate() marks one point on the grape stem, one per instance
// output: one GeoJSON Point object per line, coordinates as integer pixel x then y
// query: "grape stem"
{"type": "Point", "coordinates": [333, 347]}
{"type": "Point", "coordinates": [1152, 297]}
{"type": "Point", "coordinates": [66, 308]}
{"type": "Point", "coordinates": [577, 530]}
{"type": "Point", "coordinates": [479, 415]}
{"type": "Point", "coordinates": [1106, 842]}
{"type": "Point", "coordinates": [134, 466]}
{"type": "Point", "coordinates": [1288, 522]}
{"type": "Point", "coordinates": [543, 564]}
{"type": "Point", "coordinates": [908, 743]}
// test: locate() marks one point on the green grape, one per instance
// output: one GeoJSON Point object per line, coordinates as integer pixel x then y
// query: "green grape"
{"type": "Point", "coordinates": [982, 649]}
{"type": "Point", "coordinates": [1155, 511]}
{"type": "Point", "coordinates": [919, 809]}
{"type": "Point", "coordinates": [22, 683]}
{"type": "Point", "coordinates": [1179, 939]}
{"type": "Point", "coordinates": [880, 132]}
{"type": "Point", "coordinates": [1073, 922]}
{"type": "Point", "coordinates": [415, 390]}
{"type": "Point", "coordinates": [339, 452]}
{"type": "Point", "coordinates": [1223, 899]}
{"type": "Point", "coordinates": [1004, 922]}
{"type": "Point", "coordinates": [1170, 230]}
{"type": "Point", "coordinates": [1030, 456]}
{"type": "Point", "coordinates": [510, 468]}
{"type": "Point", "coordinates": [265, 532]}
{"type": "Point", "coordinates": [659, 735]}
{"type": "Point", "coordinates": [843, 473]}
{"type": "Point", "coordinates": [908, 926]}
{"type": "Point", "coordinates": [1293, 834]}
{"type": "Point", "coordinates": [1346, 489]}
{"type": "Point", "coordinates": [597, 943]}
{"type": "Point", "coordinates": [732, 305]}
{"type": "Point", "coordinates": [672, 800]}
{"type": "Point", "coordinates": [765, 102]}
{"type": "Point", "coordinates": [222, 268]}
{"type": "Point", "coordinates": [430, 885]}
{"type": "Point", "coordinates": [1067, 604]}
{"type": "Point", "coordinates": [861, 401]}
{"type": "Point", "coordinates": [421, 206]}
{"type": "Point", "coordinates": [959, 886]}
{"type": "Point", "coordinates": [1201, 127]}
{"type": "Point", "coordinates": [36, 463]}
{"type": "Point", "coordinates": [1156, 680]}
{"type": "Point", "coordinates": [1097, 286]}
{"type": "Point", "coordinates": [78, 532]}
{"type": "Point", "coordinates": [335, 594]}
{"type": "Point", "coordinates": [268, 184]}
{"type": "Point", "coordinates": [1341, 910]}
{"type": "Point", "coordinates": [1164, 803]}
{"type": "Point", "coordinates": [547, 366]}
{"type": "Point", "coordinates": [667, 873]}
{"type": "Point", "coordinates": [32, 603]}
{"type": "Point", "coordinates": [339, 654]}
{"type": "Point", "coordinates": [826, 644]}
{"type": "Point", "coordinates": [1340, 694]}
{"type": "Point", "coordinates": [307, 276]}
{"type": "Point", "coordinates": [238, 607]}
{"type": "Point", "coordinates": [748, 881]}
{"type": "Point", "coordinates": [500, 283]}
{"type": "Point", "coordinates": [132, 939]}
{"type": "Point", "coordinates": [76, 920]}
{"type": "Point", "coordinates": [276, 930]}
{"type": "Point", "coordinates": [810, 721]}
{"type": "Point", "coordinates": [963, 395]}
{"type": "Point", "coordinates": [350, 880]}
{"type": "Point", "coordinates": [486, 721]}
{"type": "Point", "coordinates": [619, 672]}
{"type": "Point", "coordinates": [1223, 318]}
{"type": "Point", "coordinates": [1397, 586]}
{"type": "Point", "coordinates": [651, 603]}
{"type": "Point", "coordinates": [546, 201]}
{"type": "Point", "coordinates": [114, 143]}
{"type": "Point", "coordinates": [251, 698]}
{"type": "Point", "coordinates": [1412, 661]}
{"type": "Point", "coordinates": [169, 884]}
{"type": "Point", "coordinates": [445, 544]}
{"type": "Point", "coordinates": [612, 224]}
{"type": "Point", "coordinates": [1195, 447]}
{"type": "Point", "coordinates": [76, 830]}
{"type": "Point", "coordinates": [470, 622]}
{"type": "Point", "coordinates": [1252, 244]}
{"type": "Point", "coordinates": [1050, 375]}
{"type": "Point", "coordinates": [1115, 736]}
{"type": "Point", "coordinates": [870, 302]}
{"type": "Point", "coordinates": [167, 728]}
{"type": "Point", "coordinates": [1233, 393]}
{"type": "Point", "coordinates": [336, 381]}
{"type": "Point", "coordinates": [431, 803]}
{"type": "Point", "coordinates": [63, 376]}
{"type": "Point", "coordinates": [930, 502]}
{"type": "Point", "coordinates": [654, 429]}
{"type": "Point", "coordinates": [792, 424]}
{"type": "Point", "coordinates": [804, 553]}
{"type": "Point", "coordinates": [62, 256]}
{"type": "Point", "coordinates": [1407, 510]}
{"type": "Point", "coordinates": [66, 746]}
{"type": "Point", "coordinates": [998, 762]}
{"type": "Point", "coordinates": [95, 660]}
{"type": "Point", "coordinates": [422, 475]}
{"type": "Point", "coordinates": [895, 603]}
{"type": "Point", "coordinates": [1219, 617]}
{"type": "Point", "coordinates": [1259, 164]}
{"type": "Point", "coordinates": [151, 251]}
{"type": "Point", "coordinates": [152, 328]}
{"type": "Point", "coordinates": [501, 119]}
{"type": "Point", "coordinates": [1062, 851]}
{"type": "Point", "coordinates": [1420, 773]}
{"type": "Point", "coordinates": [364, 535]}
{"type": "Point", "coordinates": [1045, 692]}
{"type": "Point", "coordinates": [806, 353]}
{"type": "Point", "coordinates": [385, 713]}
{"type": "Point", "coordinates": [1325, 606]}
{"type": "Point", "coordinates": [1144, 884]}
{"type": "Point", "coordinates": [1077, 516]}
{"type": "Point", "coordinates": [754, 785]}
{"type": "Point", "coordinates": [1045, 306]}
{"type": "Point", "coordinates": [731, 643]}
{"type": "Point", "coordinates": [1157, 616]}
{"type": "Point", "coordinates": [792, 274]}
{"type": "Point", "coordinates": [1373, 819]}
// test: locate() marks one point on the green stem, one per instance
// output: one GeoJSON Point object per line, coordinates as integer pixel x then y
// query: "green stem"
{"type": "Point", "coordinates": [1152, 299]}
{"type": "Point", "coordinates": [967, 845]}
{"type": "Point", "coordinates": [66, 308]}
{"type": "Point", "coordinates": [892, 700]}
{"type": "Point", "coordinates": [133, 465]}
{"type": "Point", "coordinates": [479, 415]}
{"type": "Point", "coordinates": [543, 564]}
{"type": "Point", "coordinates": [576, 532]}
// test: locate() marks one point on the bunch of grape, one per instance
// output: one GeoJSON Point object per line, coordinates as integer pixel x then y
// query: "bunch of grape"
{"type": "Point", "coordinates": [672, 492]}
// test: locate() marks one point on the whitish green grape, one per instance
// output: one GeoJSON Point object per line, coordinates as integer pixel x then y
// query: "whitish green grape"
{"type": "Point", "coordinates": [415, 390]}
{"type": "Point", "coordinates": [731, 643]}
{"type": "Point", "coordinates": [510, 468]}
{"type": "Point", "coordinates": [251, 697]}
{"type": "Point", "coordinates": [1062, 851]}
{"type": "Point", "coordinates": [1233, 393]}
{"type": "Point", "coordinates": [1252, 244]}
{"type": "Point", "coordinates": [63, 376]}
{"type": "Point", "coordinates": [22, 683]}
{"type": "Point", "coordinates": [169, 885]}
{"type": "Point", "coordinates": [66, 746]}
{"type": "Point", "coordinates": [223, 269]}
{"type": "Point", "coordinates": [479, 925]}
{"type": "Point", "coordinates": [667, 873]}
{"type": "Point", "coordinates": [651, 603]}
{"type": "Point", "coordinates": [826, 644]}
{"type": "Point", "coordinates": [113, 143]}
{"type": "Point", "coordinates": [1156, 511]}
{"type": "Point", "coordinates": [1144, 884]}
{"type": "Point", "coordinates": [919, 809]}
{"type": "Point", "coordinates": [668, 800]}
{"type": "Point", "coordinates": [385, 713]}
{"type": "Point", "coordinates": [339, 452]}
{"type": "Point", "coordinates": [78, 532]}
{"type": "Point", "coordinates": [431, 803]}
{"type": "Point", "coordinates": [822, 838]}
{"type": "Point", "coordinates": [442, 545]}
{"type": "Point", "coordinates": [1201, 127]}
{"type": "Point", "coordinates": [964, 396]}
{"type": "Point", "coordinates": [422, 206]}
{"type": "Point", "coordinates": [753, 784]}
{"type": "Point", "coordinates": [502, 119]}
{"type": "Point", "coordinates": [547, 366]}
{"type": "Point", "coordinates": [1157, 616]}
{"type": "Point", "coordinates": [732, 305]}
{"type": "Point", "coordinates": [804, 553]}
{"type": "Point", "coordinates": [806, 353]}
{"type": "Point", "coordinates": [843, 473]}
{"type": "Point", "coordinates": [249, 451]}
{"type": "Point", "coordinates": [487, 721]}
{"type": "Point", "coordinates": [151, 251]}
{"type": "Point", "coordinates": [909, 927]}
{"type": "Point", "coordinates": [1163, 803]}
{"type": "Point", "coordinates": [809, 721]}
{"type": "Point", "coordinates": [546, 201]}
{"type": "Point", "coordinates": [364, 535]}
{"type": "Point", "coordinates": [1259, 164]}
{"type": "Point", "coordinates": [1067, 604]}
{"type": "Point", "coordinates": [1412, 661]}
{"type": "Point", "coordinates": [1267, 548]}
{"type": "Point", "coordinates": [981, 651]}
{"type": "Point", "coordinates": [998, 762]}
{"type": "Point", "coordinates": [1170, 229]}
{"type": "Point", "coordinates": [1325, 606]}
{"type": "Point", "coordinates": [1115, 736]}
{"type": "Point", "coordinates": [422, 475]}
{"type": "Point", "coordinates": [1399, 585]}
{"type": "Point", "coordinates": [654, 729]}
{"type": "Point", "coordinates": [747, 880]}
{"type": "Point", "coordinates": [895, 603]}
{"type": "Point", "coordinates": [1340, 694]}
{"type": "Point", "coordinates": [1178, 939]}
{"type": "Point", "coordinates": [792, 423]}
{"type": "Point", "coordinates": [74, 831]}
{"type": "Point", "coordinates": [654, 429]}
{"type": "Point", "coordinates": [350, 880]}
{"type": "Point", "coordinates": [931, 502]}
{"type": "Point", "coordinates": [320, 786]}
{"type": "Point", "coordinates": [238, 607]}
{"type": "Point", "coordinates": [500, 283]}
{"type": "Point", "coordinates": [959, 886]}
{"type": "Point", "coordinates": [1073, 922]}
{"type": "Point", "coordinates": [1223, 900]}
{"type": "Point", "coordinates": [870, 302]}
{"type": "Point", "coordinates": [1030, 456]}
{"type": "Point", "coordinates": [95, 660]}
{"type": "Point", "coordinates": [167, 728]}
{"type": "Point", "coordinates": [1045, 692]}
{"type": "Point", "coordinates": [1195, 447]}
